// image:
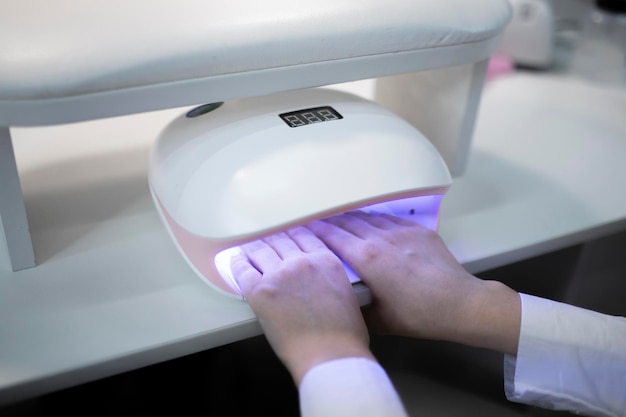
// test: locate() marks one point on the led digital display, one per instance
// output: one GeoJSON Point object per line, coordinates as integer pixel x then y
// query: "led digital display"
{"type": "Point", "coordinates": [310, 116]}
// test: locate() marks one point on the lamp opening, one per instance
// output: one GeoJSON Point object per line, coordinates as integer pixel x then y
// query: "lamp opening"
{"type": "Point", "coordinates": [421, 209]}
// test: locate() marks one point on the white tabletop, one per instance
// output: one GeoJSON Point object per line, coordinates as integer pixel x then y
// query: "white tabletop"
{"type": "Point", "coordinates": [112, 294]}
{"type": "Point", "coordinates": [546, 171]}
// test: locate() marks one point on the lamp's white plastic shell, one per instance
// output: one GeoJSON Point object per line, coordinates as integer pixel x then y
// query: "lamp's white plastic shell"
{"type": "Point", "coordinates": [240, 171]}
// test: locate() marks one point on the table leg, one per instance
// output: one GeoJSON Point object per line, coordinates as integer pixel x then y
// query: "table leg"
{"type": "Point", "coordinates": [12, 210]}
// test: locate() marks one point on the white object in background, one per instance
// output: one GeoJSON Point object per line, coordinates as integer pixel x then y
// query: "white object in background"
{"type": "Point", "coordinates": [529, 38]}
{"type": "Point", "coordinates": [256, 166]}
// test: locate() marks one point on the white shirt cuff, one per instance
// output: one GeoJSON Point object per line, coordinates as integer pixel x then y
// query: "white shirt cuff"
{"type": "Point", "coordinates": [568, 358]}
{"type": "Point", "coordinates": [349, 387]}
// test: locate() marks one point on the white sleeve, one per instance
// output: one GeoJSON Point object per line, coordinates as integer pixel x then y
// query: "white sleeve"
{"type": "Point", "coordinates": [568, 358]}
{"type": "Point", "coordinates": [349, 387]}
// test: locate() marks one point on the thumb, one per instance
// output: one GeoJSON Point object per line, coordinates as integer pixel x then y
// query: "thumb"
{"type": "Point", "coordinates": [245, 275]}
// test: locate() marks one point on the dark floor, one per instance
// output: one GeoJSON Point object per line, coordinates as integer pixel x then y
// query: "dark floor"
{"type": "Point", "coordinates": [434, 379]}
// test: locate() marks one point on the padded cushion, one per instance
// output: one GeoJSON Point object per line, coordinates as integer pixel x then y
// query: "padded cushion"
{"type": "Point", "coordinates": [68, 48]}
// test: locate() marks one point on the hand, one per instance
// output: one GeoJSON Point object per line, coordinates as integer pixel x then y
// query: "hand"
{"type": "Point", "coordinates": [303, 299]}
{"type": "Point", "coordinates": [418, 288]}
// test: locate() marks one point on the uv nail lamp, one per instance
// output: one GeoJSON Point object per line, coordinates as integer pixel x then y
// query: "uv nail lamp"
{"type": "Point", "coordinates": [222, 175]}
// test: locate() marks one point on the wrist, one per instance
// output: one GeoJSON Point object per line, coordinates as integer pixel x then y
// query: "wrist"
{"type": "Point", "coordinates": [490, 317]}
{"type": "Point", "coordinates": [309, 354]}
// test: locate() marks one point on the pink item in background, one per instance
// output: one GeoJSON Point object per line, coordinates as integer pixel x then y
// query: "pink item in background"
{"type": "Point", "coordinates": [499, 65]}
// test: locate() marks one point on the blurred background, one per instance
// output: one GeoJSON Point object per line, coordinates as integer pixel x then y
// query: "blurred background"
{"type": "Point", "coordinates": [580, 39]}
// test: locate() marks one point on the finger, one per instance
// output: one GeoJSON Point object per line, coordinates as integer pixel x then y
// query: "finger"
{"type": "Point", "coordinates": [334, 237]}
{"type": "Point", "coordinates": [379, 220]}
{"type": "Point", "coordinates": [307, 240]}
{"type": "Point", "coordinates": [246, 275]}
{"type": "Point", "coordinates": [401, 221]}
{"type": "Point", "coordinates": [262, 256]}
{"type": "Point", "coordinates": [355, 224]}
{"type": "Point", "coordinates": [283, 245]}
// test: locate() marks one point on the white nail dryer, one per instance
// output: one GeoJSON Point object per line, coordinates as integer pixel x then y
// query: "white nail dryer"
{"type": "Point", "coordinates": [222, 175]}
